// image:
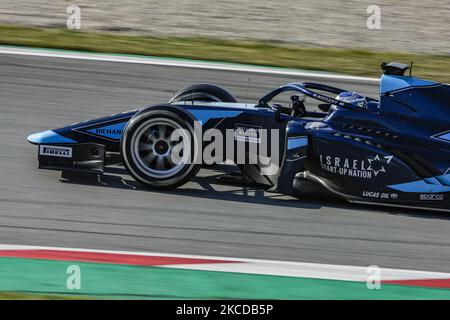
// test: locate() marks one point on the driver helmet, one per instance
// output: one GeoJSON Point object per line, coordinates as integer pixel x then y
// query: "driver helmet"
{"type": "Point", "coordinates": [353, 98]}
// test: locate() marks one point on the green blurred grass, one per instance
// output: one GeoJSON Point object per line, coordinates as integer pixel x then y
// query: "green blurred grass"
{"type": "Point", "coordinates": [32, 296]}
{"type": "Point", "coordinates": [347, 61]}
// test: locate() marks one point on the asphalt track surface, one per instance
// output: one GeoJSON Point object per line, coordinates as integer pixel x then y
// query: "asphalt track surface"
{"type": "Point", "coordinates": [203, 217]}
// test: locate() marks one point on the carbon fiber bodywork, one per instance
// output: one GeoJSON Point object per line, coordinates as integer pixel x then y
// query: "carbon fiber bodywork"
{"type": "Point", "coordinates": [394, 151]}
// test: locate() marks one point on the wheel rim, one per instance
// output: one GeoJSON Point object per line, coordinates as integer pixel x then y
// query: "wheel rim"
{"type": "Point", "coordinates": [152, 148]}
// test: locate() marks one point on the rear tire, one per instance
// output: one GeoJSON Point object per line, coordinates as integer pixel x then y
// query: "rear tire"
{"type": "Point", "coordinates": [146, 147]}
{"type": "Point", "coordinates": [203, 92]}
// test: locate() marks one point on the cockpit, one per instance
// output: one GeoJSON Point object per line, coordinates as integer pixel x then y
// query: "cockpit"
{"type": "Point", "coordinates": [298, 107]}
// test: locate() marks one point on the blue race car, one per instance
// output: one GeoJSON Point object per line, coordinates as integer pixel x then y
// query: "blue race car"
{"type": "Point", "coordinates": [392, 151]}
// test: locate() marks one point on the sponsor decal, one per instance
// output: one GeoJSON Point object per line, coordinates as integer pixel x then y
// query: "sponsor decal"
{"type": "Point", "coordinates": [113, 131]}
{"type": "Point", "coordinates": [380, 195]}
{"type": "Point", "coordinates": [54, 151]}
{"type": "Point", "coordinates": [328, 99]}
{"type": "Point", "coordinates": [431, 197]}
{"type": "Point", "coordinates": [247, 133]}
{"type": "Point", "coordinates": [108, 132]}
{"type": "Point", "coordinates": [364, 169]}
{"type": "Point", "coordinates": [295, 157]}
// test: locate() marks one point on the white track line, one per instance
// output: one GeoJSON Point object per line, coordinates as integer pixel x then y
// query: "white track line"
{"type": "Point", "coordinates": [267, 267]}
{"type": "Point", "coordinates": [313, 270]}
{"type": "Point", "coordinates": [185, 63]}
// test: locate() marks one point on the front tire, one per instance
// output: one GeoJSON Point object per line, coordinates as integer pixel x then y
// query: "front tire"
{"type": "Point", "coordinates": [148, 150]}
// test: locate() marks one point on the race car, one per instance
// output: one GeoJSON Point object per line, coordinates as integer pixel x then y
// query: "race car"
{"type": "Point", "coordinates": [392, 151]}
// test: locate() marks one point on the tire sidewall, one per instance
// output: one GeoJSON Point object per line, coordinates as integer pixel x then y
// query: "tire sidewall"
{"type": "Point", "coordinates": [126, 149]}
{"type": "Point", "coordinates": [203, 92]}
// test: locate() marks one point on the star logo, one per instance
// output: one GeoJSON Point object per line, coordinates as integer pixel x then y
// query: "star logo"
{"type": "Point", "coordinates": [377, 163]}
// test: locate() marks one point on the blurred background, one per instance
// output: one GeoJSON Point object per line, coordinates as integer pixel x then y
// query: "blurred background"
{"type": "Point", "coordinates": [349, 37]}
{"type": "Point", "coordinates": [416, 26]}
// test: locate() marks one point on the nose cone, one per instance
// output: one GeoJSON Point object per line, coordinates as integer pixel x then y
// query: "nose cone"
{"type": "Point", "coordinates": [48, 136]}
